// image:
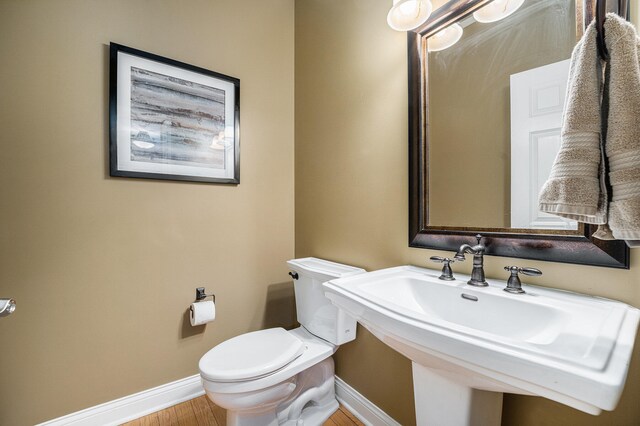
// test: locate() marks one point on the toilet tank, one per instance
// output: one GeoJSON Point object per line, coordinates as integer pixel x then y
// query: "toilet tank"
{"type": "Point", "coordinates": [315, 312]}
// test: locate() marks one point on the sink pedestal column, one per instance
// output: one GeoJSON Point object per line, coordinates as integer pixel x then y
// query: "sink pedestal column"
{"type": "Point", "coordinates": [444, 402]}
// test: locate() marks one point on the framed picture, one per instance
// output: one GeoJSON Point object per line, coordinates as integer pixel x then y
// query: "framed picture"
{"type": "Point", "coordinates": [171, 120]}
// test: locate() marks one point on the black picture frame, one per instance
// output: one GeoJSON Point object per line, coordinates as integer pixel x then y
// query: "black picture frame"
{"type": "Point", "coordinates": [171, 120]}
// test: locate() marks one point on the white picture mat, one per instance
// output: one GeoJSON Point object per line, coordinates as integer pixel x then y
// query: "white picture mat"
{"type": "Point", "coordinates": [125, 63]}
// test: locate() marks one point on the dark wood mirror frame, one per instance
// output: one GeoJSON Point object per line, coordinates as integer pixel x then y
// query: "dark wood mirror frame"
{"type": "Point", "coordinates": [579, 248]}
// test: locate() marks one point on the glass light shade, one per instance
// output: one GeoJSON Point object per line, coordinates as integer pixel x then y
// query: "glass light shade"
{"type": "Point", "coordinates": [497, 10]}
{"type": "Point", "coordinates": [406, 15]}
{"type": "Point", "coordinates": [445, 38]}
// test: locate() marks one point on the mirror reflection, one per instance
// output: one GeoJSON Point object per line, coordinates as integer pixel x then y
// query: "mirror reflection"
{"type": "Point", "coordinates": [500, 124]}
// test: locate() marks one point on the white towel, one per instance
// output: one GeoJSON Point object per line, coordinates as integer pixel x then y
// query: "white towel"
{"type": "Point", "coordinates": [623, 128]}
{"type": "Point", "coordinates": [575, 188]}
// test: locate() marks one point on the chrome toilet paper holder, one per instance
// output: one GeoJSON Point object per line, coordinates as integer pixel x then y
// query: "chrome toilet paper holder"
{"type": "Point", "coordinates": [201, 295]}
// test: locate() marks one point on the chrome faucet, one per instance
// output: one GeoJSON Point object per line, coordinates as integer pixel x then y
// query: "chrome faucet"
{"type": "Point", "coordinates": [477, 273]}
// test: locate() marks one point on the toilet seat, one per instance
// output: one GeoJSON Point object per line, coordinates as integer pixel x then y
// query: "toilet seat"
{"type": "Point", "coordinates": [315, 350]}
{"type": "Point", "coordinates": [251, 356]}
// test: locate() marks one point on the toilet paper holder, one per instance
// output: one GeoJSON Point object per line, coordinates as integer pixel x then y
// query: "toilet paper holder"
{"type": "Point", "coordinates": [201, 295]}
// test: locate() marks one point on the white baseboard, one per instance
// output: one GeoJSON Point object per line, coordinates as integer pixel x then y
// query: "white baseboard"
{"type": "Point", "coordinates": [134, 406]}
{"type": "Point", "coordinates": [366, 411]}
{"type": "Point", "coordinates": [149, 401]}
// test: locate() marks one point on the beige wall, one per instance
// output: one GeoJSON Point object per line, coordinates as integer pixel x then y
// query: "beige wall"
{"type": "Point", "coordinates": [103, 269]}
{"type": "Point", "coordinates": [351, 196]}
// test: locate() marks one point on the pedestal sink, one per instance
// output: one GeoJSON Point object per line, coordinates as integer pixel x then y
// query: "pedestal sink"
{"type": "Point", "coordinates": [469, 345]}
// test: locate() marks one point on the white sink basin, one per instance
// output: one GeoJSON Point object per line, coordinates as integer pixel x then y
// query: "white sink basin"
{"type": "Point", "coordinates": [571, 348]}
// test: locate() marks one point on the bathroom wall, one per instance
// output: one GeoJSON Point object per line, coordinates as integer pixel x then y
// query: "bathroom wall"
{"type": "Point", "coordinates": [351, 197]}
{"type": "Point", "coordinates": [103, 269]}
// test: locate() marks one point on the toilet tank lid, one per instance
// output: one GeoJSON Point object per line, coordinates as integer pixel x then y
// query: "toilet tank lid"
{"type": "Point", "coordinates": [251, 355]}
{"type": "Point", "coordinates": [324, 267]}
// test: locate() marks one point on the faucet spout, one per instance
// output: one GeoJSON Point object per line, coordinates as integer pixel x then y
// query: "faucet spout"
{"type": "Point", "coordinates": [461, 252]}
{"type": "Point", "coordinates": [469, 249]}
{"type": "Point", "coordinates": [477, 273]}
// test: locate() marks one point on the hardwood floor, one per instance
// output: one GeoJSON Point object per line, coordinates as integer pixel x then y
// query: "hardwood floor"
{"type": "Point", "coordinates": [202, 412]}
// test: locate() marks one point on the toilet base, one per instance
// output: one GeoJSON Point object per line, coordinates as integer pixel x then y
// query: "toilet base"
{"type": "Point", "coordinates": [307, 399]}
{"type": "Point", "coordinates": [314, 399]}
{"type": "Point", "coordinates": [314, 415]}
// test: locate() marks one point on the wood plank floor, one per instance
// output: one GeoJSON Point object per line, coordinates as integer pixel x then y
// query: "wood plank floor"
{"type": "Point", "coordinates": [202, 412]}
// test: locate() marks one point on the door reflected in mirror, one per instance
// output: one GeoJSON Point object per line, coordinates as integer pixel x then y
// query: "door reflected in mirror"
{"type": "Point", "coordinates": [495, 100]}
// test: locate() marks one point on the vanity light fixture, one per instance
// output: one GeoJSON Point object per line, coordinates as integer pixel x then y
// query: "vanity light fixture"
{"type": "Point", "coordinates": [497, 10]}
{"type": "Point", "coordinates": [406, 15]}
{"type": "Point", "coordinates": [445, 38]}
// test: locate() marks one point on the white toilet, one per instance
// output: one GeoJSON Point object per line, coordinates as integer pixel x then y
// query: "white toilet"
{"type": "Point", "coordinates": [279, 377]}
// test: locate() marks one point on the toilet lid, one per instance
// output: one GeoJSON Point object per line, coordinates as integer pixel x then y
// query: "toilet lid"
{"type": "Point", "coordinates": [250, 355]}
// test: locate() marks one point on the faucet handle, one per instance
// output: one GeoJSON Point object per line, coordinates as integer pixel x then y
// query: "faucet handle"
{"type": "Point", "coordinates": [514, 285]}
{"type": "Point", "coordinates": [447, 273]}
{"type": "Point", "coordinates": [530, 271]}
{"type": "Point", "coordinates": [478, 238]}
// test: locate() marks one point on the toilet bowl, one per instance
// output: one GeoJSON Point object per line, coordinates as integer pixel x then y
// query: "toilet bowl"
{"type": "Point", "coordinates": [278, 377]}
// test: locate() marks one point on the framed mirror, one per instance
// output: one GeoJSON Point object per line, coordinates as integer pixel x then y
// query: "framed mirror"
{"type": "Point", "coordinates": [484, 129]}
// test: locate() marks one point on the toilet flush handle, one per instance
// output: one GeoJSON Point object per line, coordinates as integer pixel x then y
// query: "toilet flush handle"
{"type": "Point", "coordinates": [294, 275]}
